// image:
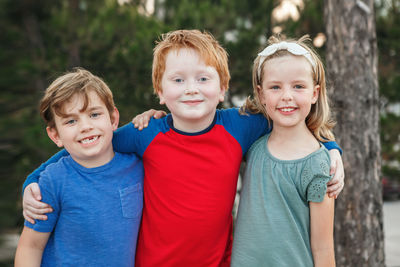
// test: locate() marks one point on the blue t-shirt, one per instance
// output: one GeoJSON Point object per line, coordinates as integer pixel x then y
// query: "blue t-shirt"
{"type": "Point", "coordinates": [97, 212]}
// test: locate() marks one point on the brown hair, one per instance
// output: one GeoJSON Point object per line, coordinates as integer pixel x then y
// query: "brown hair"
{"type": "Point", "coordinates": [202, 42]}
{"type": "Point", "coordinates": [319, 120]}
{"type": "Point", "coordinates": [79, 81]}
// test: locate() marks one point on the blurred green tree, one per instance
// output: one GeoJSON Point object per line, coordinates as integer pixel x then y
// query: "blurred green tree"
{"type": "Point", "coordinates": [41, 40]}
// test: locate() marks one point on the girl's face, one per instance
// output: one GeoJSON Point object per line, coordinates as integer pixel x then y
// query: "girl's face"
{"type": "Point", "coordinates": [288, 90]}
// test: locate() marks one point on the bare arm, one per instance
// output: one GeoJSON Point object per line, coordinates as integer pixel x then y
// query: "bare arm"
{"type": "Point", "coordinates": [321, 225]}
{"type": "Point", "coordinates": [336, 184]}
{"type": "Point", "coordinates": [30, 248]}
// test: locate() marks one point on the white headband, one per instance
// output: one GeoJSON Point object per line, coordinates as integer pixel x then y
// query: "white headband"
{"type": "Point", "coordinates": [292, 48]}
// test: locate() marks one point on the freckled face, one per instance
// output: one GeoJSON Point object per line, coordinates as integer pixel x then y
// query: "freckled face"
{"type": "Point", "coordinates": [288, 90]}
{"type": "Point", "coordinates": [190, 89]}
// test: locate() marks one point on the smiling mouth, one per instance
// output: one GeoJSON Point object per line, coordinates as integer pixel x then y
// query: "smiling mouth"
{"type": "Point", "coordinates": [287, 109]}
{"type": "Point", "coordinates": [192, 102]}
{"type": "Point", "coordinates": [89, 140]}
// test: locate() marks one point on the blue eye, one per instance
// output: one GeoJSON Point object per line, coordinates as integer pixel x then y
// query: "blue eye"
{"type": "Point", "coordinates": [178, 80]}
{"type": "Point", "coordinates": [203, 79]}
{"type": "Point", "coordinates": [70, 121]}
{"type": "Point", "coordinates": [95, 115]}
{"type": "Point", "coordinates": [298, 86]}
{"type": "Point", "coordinates": [275, 87]}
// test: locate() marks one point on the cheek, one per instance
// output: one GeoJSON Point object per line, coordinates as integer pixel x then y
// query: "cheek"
{"type": "Point", "coordinates": [267, 99]}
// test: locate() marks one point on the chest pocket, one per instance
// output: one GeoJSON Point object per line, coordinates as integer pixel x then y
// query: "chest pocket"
{"type": "Point", "coordinates": [132, 201]}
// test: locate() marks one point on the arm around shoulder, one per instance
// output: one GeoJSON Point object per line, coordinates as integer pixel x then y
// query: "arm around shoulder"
{"type": "Point", "coordinates": [30, 248]}
{"type": "Point", "coordinates": [34, 176]}
{"type": "Point", "coordinates": [321, 225]}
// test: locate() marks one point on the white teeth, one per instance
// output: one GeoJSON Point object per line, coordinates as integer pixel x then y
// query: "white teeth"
{"type": "Point", "coordinates": [287, 109]}
{"type": "Point", "coordinates": [89, 140]}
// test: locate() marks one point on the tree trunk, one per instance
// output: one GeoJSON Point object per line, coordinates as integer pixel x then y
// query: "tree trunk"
{"type": "Point", "coordinates": [351, 60]}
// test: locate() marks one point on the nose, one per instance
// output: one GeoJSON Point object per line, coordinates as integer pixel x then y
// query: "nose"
{"type": "Point", "coordinates": [85, 125]}
{"type": "Point", "coordinates": [287, 94]}
{"type": "Point", "coordinates": [191, 88]}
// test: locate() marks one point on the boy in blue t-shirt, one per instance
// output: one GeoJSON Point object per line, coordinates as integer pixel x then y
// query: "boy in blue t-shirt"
{"type": "Point", "coordinates": [96, 193]}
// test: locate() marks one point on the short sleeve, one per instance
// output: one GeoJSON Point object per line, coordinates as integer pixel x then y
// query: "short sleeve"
{"type": "Point", "coordinates": [49, 196]}
{"type": "Point", "coordinates": [315, 177]}
{"type": "Point", "coordinates": [246, 129]}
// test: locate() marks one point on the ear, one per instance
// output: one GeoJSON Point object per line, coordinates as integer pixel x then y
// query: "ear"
{"type": "Point", "coordinates": [315, 94]}
{"type": "Point", "coordinates": [53, 134]}
{"type": "Point", "coordinates": [260, 94]}
{"type": "Point", "coordinates": [162, 99]}
{"type": "Point", "coordinates": [114, 118]}
{"type": "Point", "coordinates": [222, 94]}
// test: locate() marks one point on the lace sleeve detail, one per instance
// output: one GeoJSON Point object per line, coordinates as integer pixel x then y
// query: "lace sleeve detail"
{"type": "Point", "coordinates": [314, 178]}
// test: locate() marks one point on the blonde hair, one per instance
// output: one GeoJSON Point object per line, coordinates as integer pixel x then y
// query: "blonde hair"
{"type": "Point", "coordinates": [202, 42]}
{"type": "Point", "coordinates": [319, 120]}
{"type": "Point", "coordinates": [79, 81]}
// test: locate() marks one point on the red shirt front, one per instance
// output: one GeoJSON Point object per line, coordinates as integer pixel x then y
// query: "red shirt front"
{"type": "Point", "coordinates": [189, 188]}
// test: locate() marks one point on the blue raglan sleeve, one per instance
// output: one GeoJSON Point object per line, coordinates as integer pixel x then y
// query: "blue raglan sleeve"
{"type": "Point", "coordinates": [246, 129]}
{"type": "Point", "coordinates": [332, 145]}
{"type": "Point", "coordinates": [128, 139]}
{"type": "Point", "coordinates": [34, 176]}
{"type": "Point", "coordinates": [124, 140]}
{"type": "Point", "coordinates": [249, 127]}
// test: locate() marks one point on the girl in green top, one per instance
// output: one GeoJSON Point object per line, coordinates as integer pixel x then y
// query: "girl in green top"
{"type": "Point", "coordinates": [285, 217]}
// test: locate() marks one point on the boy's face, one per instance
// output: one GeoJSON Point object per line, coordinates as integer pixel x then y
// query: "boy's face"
{"type": "Point", "coordinates": [87, 134]}
{"type": "Point", "coordinates": [190, 89]}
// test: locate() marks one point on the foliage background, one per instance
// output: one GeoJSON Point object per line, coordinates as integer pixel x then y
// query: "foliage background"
{"type": "Point", "coordinates": [40, 40]}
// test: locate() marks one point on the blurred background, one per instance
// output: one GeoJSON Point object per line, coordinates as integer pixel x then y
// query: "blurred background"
{"type": "Point", "coordinates": [40, 40]}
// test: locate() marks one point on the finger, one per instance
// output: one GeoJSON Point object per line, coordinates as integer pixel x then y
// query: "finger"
{"type": "Point", "coordinates": [39, 211]}
{"type": "Point", "coordinates": [332, 188]}
{"type": "Point", "coordinates": [36, 216]}
{"type": "Point", "coordinates": [336, 191]}
{"type": "Point", "coordinates": [34, 204]}
{"type": "Point", "coordinates": [335, 184]}
{"type": "Point", "coordinates": [36, 193]}
{"type": "Point", "coordinates": [333, 181]}
{"type": "Point", "coordinates": [333, 167]}
{"type": "Point", "coordinates": [159, 114]}
{"type": "Point", "coordinates": [141, 123]}
{"type": "Point", "coordinates": [29, 219]}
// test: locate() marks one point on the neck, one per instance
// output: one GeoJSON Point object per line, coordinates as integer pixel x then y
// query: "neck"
{"type": "Point", "coordinates": [289, 143]}
{"type": "Point", "coordinates": [192, 126]}
{"type": "Point", "coordinates": [97, 161]}
{"type": "Point", "coordinates": [290, 134]}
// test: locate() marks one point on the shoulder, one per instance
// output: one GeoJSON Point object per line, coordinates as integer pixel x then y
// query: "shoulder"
{"type": "Point", "coordinates": [54, 179]}
{"type": "Point", "coordinates": [319, 161]}
{"type": "Point", "coordinates": [315, 175]}
{"type": "Point", "coordinates": [127, 158]}
{"type": "Point", "coordinates": [260, 143]}
{"type": "Point", "coordinates": [62, 166]}
{"type": "Point", "coordinates": [233, 113]}
{"type": "Point", "coordinates": [124, 163]}
{"type": "Point", "coordinates": [246, 129]}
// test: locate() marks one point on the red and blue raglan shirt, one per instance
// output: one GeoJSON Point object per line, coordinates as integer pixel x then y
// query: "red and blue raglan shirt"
{"type": "Point", "coordinates": [189, 187]}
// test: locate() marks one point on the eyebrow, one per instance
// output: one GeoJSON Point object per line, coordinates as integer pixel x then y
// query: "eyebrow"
{"type": "Point", "coordinates": [94, 108]}
{"type": "Point", "coordinates": [299, 81]}
{"type": "Point", "coordinates": [66, 115]}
